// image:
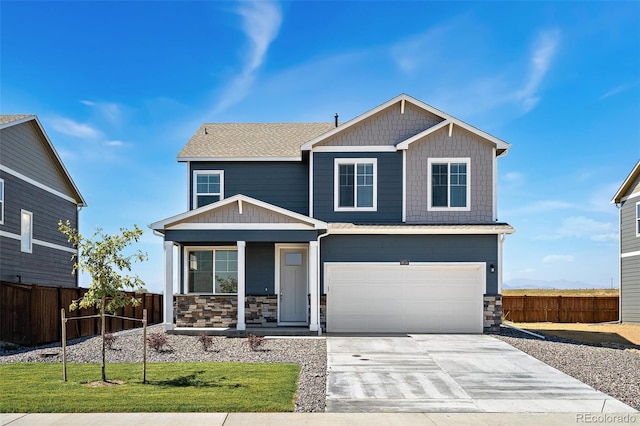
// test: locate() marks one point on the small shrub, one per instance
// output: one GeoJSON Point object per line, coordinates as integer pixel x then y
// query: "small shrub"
{"type": "Point", "coordinates": [254, 341]}
{"type": "Point", "coordinates": [205, 341]}
{"type": "Point", "coordinates": [157, 341]}
{"type": "Point", "coordinates": [109, 340]}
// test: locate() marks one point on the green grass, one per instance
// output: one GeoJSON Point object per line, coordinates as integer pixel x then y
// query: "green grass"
{"type": "Point", "coordinates": [171, 387]}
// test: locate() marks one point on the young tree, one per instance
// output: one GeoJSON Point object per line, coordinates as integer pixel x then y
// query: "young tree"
{"type": "Point", "coordinates": [102, 257]}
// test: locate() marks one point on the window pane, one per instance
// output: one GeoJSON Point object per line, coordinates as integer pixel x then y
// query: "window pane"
{"type": "Point", "coordinates": [638, 211]}
{"type": "Point", "coordinates": [293, 259]}
{"type": "Point", "coordinates": [439, 185]}
{"type": "Point", "coordinates": [201, 271]}
{"type": "Point", "coordinates": [345, 188]}
{"type": "Point", "coordinates": [458, 196]}
{"type": "Point", "coordinates": [26, 231]}
{"type": "Point", "coordinates": [208, 184]}
{"type": "Point", "coordinates": [226, 271]}
{"type": "Point", "coordinates": [458, 185]}
{"type": "Point", "coordinates": [365, 185]}
{"type": "Point", "coordinates": [203, 200]}
{"type": "Point", "coordinates": [365, 196]}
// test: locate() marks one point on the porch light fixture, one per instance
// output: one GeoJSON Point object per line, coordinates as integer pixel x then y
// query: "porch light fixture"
{"type": "Point", "coordinates": [404, 262]}
{"type": "Point", "coordinates": [492, 268]}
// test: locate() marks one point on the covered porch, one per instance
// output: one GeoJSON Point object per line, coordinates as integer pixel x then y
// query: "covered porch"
{"type": "Point", "coordinates": [243, 266]}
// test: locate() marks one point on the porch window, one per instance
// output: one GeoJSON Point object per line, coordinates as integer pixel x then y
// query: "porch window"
{"type": "Point", "coordinates": [212, 271]}
{"type": "Point", "coordinates": [208, 187]}
{"type": "Point", "coordinates": [448, 186]}
{"type": "Point", "coordinates": [355, 184]}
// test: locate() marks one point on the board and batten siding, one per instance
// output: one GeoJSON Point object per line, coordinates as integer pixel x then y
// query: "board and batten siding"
{"type": "Point", "coordinates": [45, 265]}
{"type": "Point", "coordinates": [414, 248]}
{"type": "Point", "coordinates": [281, 183]}
{"type": "Point", "coordinates": [22, 150]}
{"type": "Point", "coordinates": [389, 188]}
{"type": "Point", "coordinates": [461, 144]}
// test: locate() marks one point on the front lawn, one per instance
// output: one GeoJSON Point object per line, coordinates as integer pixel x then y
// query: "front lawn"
{"type": "Point", "coordinates": [171, 387]}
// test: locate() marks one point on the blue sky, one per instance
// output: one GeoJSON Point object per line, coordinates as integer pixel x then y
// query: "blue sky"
{"type": "Point", "coordinates": [121, 86]}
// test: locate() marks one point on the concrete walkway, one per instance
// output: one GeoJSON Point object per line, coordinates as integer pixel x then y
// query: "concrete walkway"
{"type": "Point", "coordinates": [313, 419]}
{"type": "Point", "coordinates": [450, 374]}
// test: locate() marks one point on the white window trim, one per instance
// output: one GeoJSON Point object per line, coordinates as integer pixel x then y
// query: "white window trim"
{"type": "Point", "coordinates": [2, 190]}
{"type": "Point", "coordinates": [194, 185]}
{"type": "Point", "coordinates": [30, 235]}
{"type": "Point", "coordinates": [637, 219]}
{"type": "Point", "coordinates": [336, 184]}
{"type": "Point", "coordinates": [448, 161]}
{"type": "Point", "coordinates": [185, 273]}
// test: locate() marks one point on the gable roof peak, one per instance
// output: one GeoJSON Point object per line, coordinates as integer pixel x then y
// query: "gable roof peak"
{"type": "Point", "coordinates": [626, 185]}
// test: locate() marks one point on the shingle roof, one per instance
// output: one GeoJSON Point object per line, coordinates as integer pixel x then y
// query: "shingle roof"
{"type": "Point", "coordinates": [251, 140]}
{"type": "Point", "coordinates": [10, 118]}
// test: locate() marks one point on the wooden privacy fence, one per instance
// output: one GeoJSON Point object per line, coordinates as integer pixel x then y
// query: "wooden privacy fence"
{"type": "Point", "coordinates": [585, 309]}
{"type": "Point", "coordinates": [30, 314]}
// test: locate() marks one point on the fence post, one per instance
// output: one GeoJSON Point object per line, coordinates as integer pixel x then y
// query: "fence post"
{"type": "Point", "coordinates": [64, 345]}
{"type": "Point", "coordinates": [144, 346]}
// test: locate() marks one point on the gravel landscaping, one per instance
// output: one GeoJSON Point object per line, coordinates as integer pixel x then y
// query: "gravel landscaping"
{"type": "Point", "coordinates": [309, 353]}
{"type": "Point", "coordinates": [611, 370]}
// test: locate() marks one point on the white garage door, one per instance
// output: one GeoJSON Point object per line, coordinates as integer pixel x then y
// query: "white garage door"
{"type": "Point", "coordinates": [415, 298]}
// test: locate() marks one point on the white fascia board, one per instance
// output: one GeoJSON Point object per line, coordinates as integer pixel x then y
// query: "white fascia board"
{"type": "Point", "coordinates": [405, 144]}
{"type": "Point", "coordinates": [40, 185]}
{"type": "Point", "coordinates": [365, 230]}
{"type": "Point", "coordinates": [240, 226]}
{"type": "Point", "coordinates": [163, 224]}
{"type": "Point", "coordinates": [243, 159]}
{"type": "Point", "coordinates": [624, 187]}
{"type": "Point", "coordinates": [628, 197]}
{"type": "Point", "coordinates": [363, 148]}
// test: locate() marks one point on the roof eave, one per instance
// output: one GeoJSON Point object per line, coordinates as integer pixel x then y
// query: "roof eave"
{"type": "Point", "coordinates": [617, 198]}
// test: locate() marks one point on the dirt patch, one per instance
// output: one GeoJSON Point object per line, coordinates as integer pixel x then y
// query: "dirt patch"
{"type": "Point", "coordinates": [613, 335]}
{"type": "Point", "coordinates": [100, 383]}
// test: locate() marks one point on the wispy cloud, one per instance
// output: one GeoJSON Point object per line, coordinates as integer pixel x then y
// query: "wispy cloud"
{"type": "Point", "coordinates": [110, 111]}
{"type": "Point", "coordinates": [558, 258]}
{"type": "Point", "coordinates": [261, 22]}
{"type": "Point", "coordinates": [543, 53]}
{"type": "Point", "coordinates": [114, 143]}
{"type": "Point", "coordinates": [72, 128]}
{"type": "Point", "coordinates": [617, 90]}
{"type": "Point", "coordinates": [581, 227]}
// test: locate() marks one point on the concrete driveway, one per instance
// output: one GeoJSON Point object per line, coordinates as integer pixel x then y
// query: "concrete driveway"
{"type": "Point", "coordinates": [450, 373]}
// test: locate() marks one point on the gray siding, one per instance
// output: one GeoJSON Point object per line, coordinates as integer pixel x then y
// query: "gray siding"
{"type": "Point", "coordinates": [44, 266]}
{"type": "Point", "coordinates": [232, 236]}
{"type": "Point", "coordinates": [389, 181]}
{"type": "Point", "coordinates": [23, 150]}
{"type": "Point", "coordinates": [260, 273]}
{"type": "Point", "coordinates": [415, 248]}
{"type": "Point", "coordinates": [284, 184]}
{"type": "Point", "coordinates": [630, 289]}
{"type": "Point", "coordinates": [629, 242]}
{"type": "Point", "coordinates": [388, 127]}
{"type": "Point", "coordinates": [439, 145]}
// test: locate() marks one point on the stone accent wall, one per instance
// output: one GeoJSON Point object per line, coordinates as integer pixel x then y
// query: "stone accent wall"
{"type": "Point", "coordinates": [492, 313]}
{"type": "Point", "coordinates": [208, 311]}
{"type": "Point", "coordinates": [323, 312]}
{"type": "Point", "coordinates": [261, 311]}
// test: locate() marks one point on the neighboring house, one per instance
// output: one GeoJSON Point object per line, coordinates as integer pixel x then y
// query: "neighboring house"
{"type": "Point", "coordinates": [385, 223]}
{"type": "Point", "coordinates": [36, 191]}
{"type": "Point", "coordinates": [628, 201]}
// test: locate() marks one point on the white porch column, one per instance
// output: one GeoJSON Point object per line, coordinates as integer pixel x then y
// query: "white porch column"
{"type": "Point", "coordinates": [168, 285]}
{"type": "Point", "coordinates": [241, 284]}
{"type": "Point", "coordinates": [314, 289]}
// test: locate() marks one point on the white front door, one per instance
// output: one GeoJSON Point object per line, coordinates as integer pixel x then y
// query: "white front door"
{"type": "Point", "coordinates": [293, 304]}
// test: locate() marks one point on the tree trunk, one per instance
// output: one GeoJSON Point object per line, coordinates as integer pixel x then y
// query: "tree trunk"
{"type": "Point", "coordinates": [103, 329]}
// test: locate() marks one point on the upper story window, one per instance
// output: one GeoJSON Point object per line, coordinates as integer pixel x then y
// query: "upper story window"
{"type": "Point", "coordinates": [355, 184]}
{"type": "Point", "coordinates": [1, 202]}
{"type": "Point", "coordinates": [26, 231]}
{"type": "Point", "coordinates": [448, 183]}
{"type": "Point", "coordinates": [212, 270]}
{"type": "Point", "coordinates": [208, 187]}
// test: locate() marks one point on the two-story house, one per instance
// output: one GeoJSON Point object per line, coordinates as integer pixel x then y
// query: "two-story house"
{"type": "Point", "coordinates": [628, 201]}
{"type": "Point", "coordinates": [385, 223]}
{"type": "Point", "coordinates": [36, 191]}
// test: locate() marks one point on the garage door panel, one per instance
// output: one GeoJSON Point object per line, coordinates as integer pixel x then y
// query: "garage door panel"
{"type": "Point", "coordinates": [415, 298]}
